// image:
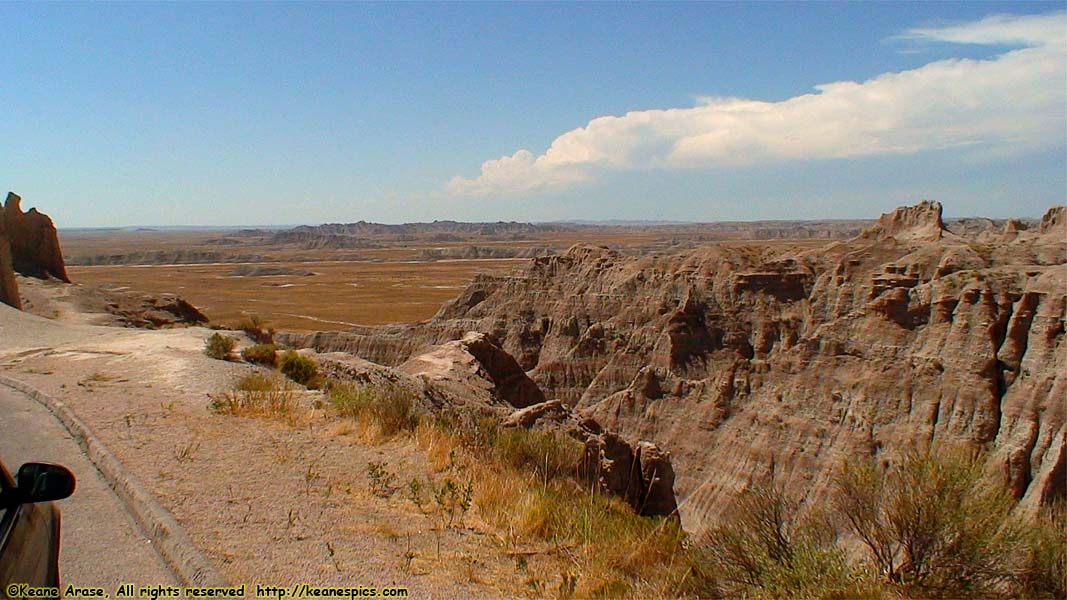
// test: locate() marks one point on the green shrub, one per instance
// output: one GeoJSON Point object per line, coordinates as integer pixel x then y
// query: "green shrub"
{"type": "Point", "coordinates": [392, 408]}
{"type": "Point", "coordinates": [934, 525]}
{"type": "Point", "coordinates": [263, 354]}
{"type": "Point", "coordinates": [219, 346]}
{"type": "Point", "coordinates": [299, 368]}
{"type": "Point", "coordinates": [763, 548]}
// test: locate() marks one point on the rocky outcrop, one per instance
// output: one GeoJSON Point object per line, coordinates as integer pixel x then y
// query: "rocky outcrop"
{"type": "Point", "coordinates": [154, 311]}
{"type": "Point", "coordinates": [29, 245]}
{"type": "Point", "coordinates": [9, 288]}
{"type": "Point", "coordinates": [472, 376]}
{"type": "Point", "coordinates": [475, 368]}
{"type": "Point", "coordinates": [748, 365]}
{"type": "Point", "coordinates": [482, 252]}
{"type": "Point", "coordinates": [128, 308]}
{"type": "Point", "coordinates": [1055, 219]}
{"type": "Point", "coordinates": [640, 472]}
{"type": "Point", "coordinates": [34, 242]}
{"type": "Point", "coordinates": [919, 222]}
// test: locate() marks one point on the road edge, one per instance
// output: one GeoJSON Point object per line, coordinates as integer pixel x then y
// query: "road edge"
{"type": "Point", "coordinates": [178, 551]}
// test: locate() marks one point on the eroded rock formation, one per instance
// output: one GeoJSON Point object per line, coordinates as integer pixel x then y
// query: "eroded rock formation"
{"type": "Point", "coordinates": [473, 376]}
{"type": "Point", "coordinates": [9, 288]}
{"type": "Point", "coordinates": [750, 362]}
{"type": "Point", "coordinates": [29, 245]}
{"type": "Point", "coordinates": [34, 242]}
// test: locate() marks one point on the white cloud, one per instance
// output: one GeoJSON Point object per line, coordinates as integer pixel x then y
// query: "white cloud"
{"type": "Point", "coordinates": [1015, 101]}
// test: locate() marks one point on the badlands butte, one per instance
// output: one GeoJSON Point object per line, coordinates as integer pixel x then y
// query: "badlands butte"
{"type": "Point", "coordinates": [692, 361]}
{"type": "Point", "coordinates": [752, 363]}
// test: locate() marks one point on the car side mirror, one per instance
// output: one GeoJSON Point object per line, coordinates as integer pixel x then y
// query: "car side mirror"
{"type": "Point", "coordinates": [43, 482]}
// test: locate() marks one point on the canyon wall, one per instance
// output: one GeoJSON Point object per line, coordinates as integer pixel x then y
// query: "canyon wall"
{"type": "Point", "coordinates": [754, 362]}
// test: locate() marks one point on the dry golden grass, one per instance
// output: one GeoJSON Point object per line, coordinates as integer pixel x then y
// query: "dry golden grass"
{"type": "Point", "coordinates": [589, 545]}
{"type": "Point", "coordinates": [440, 449]}
{"type": "Point", "coordinates": [260, 395]}
{"type": "Point", "coordinates": [572, 542]}
{"type": "Point", "coordinates": [342, 294]}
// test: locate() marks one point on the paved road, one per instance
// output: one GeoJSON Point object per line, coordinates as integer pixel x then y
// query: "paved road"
{"type": "Point", "coordinates": [102, 546]}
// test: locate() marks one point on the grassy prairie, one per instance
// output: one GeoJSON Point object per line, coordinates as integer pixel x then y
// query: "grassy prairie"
{"type": "Point", "coordinates": [385, 285]}
{"type": "Point", "coordinates": [338, 296]}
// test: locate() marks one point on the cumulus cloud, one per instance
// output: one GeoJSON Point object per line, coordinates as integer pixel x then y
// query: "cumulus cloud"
{"type": "Point", "coordinates": [1015, 101]}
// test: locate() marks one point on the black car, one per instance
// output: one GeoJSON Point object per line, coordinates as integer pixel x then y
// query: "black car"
{"type": "Point", "coordinates": [29, 525]}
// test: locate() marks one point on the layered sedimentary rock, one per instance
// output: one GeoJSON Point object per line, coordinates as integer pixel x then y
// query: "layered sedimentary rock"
{"type": "Point", "coordinates": [29, 244]}
{"type": "Point", "coordinates": [472, 376]}
{"type": "Point", "coordinates": [482, 252]}
{"type": "Point", "coordinates": [34, 242]}
{"type": "Point", "coordinates": [167, 257]}
{"type": "Point", "coordinates": [150, 311]}
{"type": "Point", "coordinates": [752, 363]}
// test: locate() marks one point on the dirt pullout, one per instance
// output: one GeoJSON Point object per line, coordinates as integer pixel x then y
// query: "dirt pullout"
{"type": "Point", "coordinates": [265, 501]}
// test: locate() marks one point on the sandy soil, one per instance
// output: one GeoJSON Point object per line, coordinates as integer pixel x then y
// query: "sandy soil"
{"type": "Point", "coordinates": [266, 501]}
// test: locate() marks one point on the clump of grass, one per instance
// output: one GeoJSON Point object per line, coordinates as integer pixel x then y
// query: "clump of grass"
{"type": "Point", "coordinates": [219, 346]}
{"type": "Point", "coordinates": [549, 454]}
{"type": "Point", "coordinates": [299, 368]}
{"type": "Point", "coordinates": [256, 395]}
{"type": "Point", "coordinates": [390, 408]}
{"type": "Point", "coordinates": [259, 382]}
{"type": "Point", "coordinates": [1044, 571]}
{"type": "Point", "coordinates": [262, 354]}
{"type": "Point", "coordinates": [615, 551]}
{"type": "Point", "coordinates": [256, 328]}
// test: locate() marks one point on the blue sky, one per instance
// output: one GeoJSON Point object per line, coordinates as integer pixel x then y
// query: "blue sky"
{"type": "Point", "coordinates": [256, 114]}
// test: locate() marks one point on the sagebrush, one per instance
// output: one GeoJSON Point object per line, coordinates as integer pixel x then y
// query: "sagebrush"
{"type": "Point", "coordinates": [219, 346]}
{"type": "Point", "coordinates": [299, 368]}
{"type": "Point", "coordinates": [262, 354]}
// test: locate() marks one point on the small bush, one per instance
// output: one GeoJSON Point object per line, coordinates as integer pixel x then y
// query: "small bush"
{"type": "Point", "coordinates": [763, 548]}
{"type": "Point", "coordinates": [933, 525]}
{"type": "Point", "coordinates": [219, 346]}
{"type": "Point", "coordinates": [299, 368]}
{"type": "Point", "coordinates": [390, 407]}
{"type": "Point", "coordinates": [262, 354]}
{"type": "Point", "coordinates": [256, 328]}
